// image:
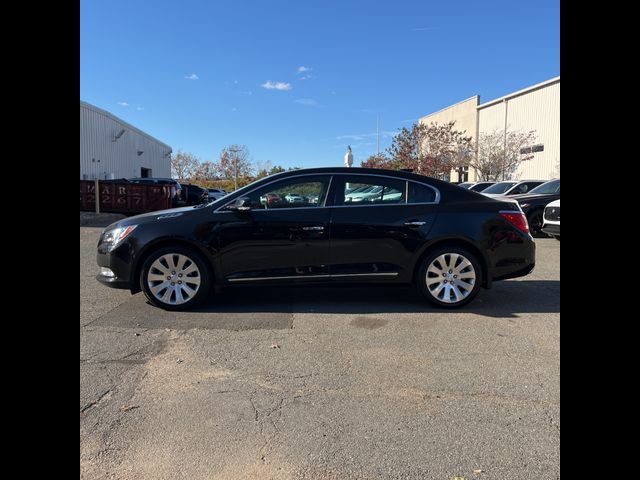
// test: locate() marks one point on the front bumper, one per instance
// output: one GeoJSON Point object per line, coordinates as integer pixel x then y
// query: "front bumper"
{"type": "Point", "coordinates": [551, 229]}
{"type": "Point", "coordinates": [113, 282]}
{"type": "Point", "coordinates": [118, 261]}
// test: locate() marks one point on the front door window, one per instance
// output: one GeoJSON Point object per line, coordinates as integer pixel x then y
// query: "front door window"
{"type": "Point", "coordinates": [291, 193]}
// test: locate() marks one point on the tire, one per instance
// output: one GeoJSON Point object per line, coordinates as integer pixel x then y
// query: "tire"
{"type": "Point", "coordinates": [466, 268]}
{"type": "Point", "coordinates": [184, 268]}
{"type": "Point", "coordinates": [535, 224]}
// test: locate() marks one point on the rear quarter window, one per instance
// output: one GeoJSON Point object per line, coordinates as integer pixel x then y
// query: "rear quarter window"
{"type": "Point", "coordinates": [419, 193]}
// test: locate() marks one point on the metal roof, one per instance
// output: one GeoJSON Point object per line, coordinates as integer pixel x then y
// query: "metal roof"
{"type": "Point", "coordinates": [521, 92]}
{"type": "Point", "coordinates": [122, 122]}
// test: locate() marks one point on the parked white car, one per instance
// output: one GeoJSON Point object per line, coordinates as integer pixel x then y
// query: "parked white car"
{"type": "Point", "coordinates": [508, 188]}
{"type": "Point", "coordinates": [551, 219]}
{"type": "Point", "coordinates": [294, 198]}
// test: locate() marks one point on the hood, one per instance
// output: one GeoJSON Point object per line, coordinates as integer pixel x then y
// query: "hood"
{"type": "Point", "coordinates": [493, 195]}
{"type": "Point", "coordinates": [523, 197]}
{"type": "Point", "coordinates": [153, 216]}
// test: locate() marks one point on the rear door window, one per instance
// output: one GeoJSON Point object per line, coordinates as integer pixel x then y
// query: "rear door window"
{"type": "Point", "coordinates": [364, 190]}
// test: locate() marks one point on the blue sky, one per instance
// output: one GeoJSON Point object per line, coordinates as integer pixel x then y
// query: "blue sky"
{"type": "Point", "coordinates": [297, 81]}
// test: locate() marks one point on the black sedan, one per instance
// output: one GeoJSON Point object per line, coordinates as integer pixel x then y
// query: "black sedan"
{"type": "Point", "coordinates": [195, 194]}
{"type": "Point", "coordinates": [408, 229]}
{"type": "Point", "coordinates": [533, 203]}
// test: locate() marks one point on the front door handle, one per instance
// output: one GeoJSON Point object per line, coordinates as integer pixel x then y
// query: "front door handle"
{"type": "Point", "coordinates": [318, 228]}
{"type": "Point", "coordinates": [414, 224]}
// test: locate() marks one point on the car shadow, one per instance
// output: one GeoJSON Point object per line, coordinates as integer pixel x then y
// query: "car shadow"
{"type": "Point", "coordinates": [504, 299]}
{"type": "Point", "coordinates": [272, 308]}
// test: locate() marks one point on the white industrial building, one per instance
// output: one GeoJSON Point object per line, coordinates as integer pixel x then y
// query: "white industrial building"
{"type": "Point", "coordinates": [110, 148]}
{"type": "Point", "coordinates": [534, 108]}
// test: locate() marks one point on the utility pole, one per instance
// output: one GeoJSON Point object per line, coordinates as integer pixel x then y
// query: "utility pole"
{"type": "Point", "coordinates": [504, 147]}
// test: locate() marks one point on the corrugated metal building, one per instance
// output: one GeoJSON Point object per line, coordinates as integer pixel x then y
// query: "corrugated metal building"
{"type": "Point", "coordinates": [534, 108]}
{"type": "Point", "coordinates": [111, 148]}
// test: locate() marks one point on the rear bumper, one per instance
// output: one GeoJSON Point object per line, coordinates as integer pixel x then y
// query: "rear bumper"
{"type": "Point", "coordinates": [515, 260]}
{"type": "Point", "coordinates": [518, 273]}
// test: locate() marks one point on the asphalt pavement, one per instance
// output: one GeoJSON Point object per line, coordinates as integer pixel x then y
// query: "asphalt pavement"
{"type": "Point", "coordinates": [321, 383]}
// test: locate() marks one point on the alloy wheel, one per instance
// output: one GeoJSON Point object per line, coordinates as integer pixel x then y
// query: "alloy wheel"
{"type": "Point", "coordinates": [174, 279]}
{"type": "Point", "coordinates": [450, 278]}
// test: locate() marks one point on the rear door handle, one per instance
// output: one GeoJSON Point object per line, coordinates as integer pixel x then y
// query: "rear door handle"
{"type": "Point", "coordinates": [414, 224]}
{"type": "Point", "coordinates": [318, 228]}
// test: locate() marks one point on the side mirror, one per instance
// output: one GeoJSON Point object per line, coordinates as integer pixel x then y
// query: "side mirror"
{"type": "Point", "coordinates": [242, 204]}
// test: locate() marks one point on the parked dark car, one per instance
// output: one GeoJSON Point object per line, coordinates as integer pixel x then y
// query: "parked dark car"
{"type": "Point", "coordinates": [533, 203]}
{"type": "Point", "coordinates": [195, 194]}
{"type": "Point", "coordinates": [480, 186]}
{"type": "Point", "coordinates": [216, 193]}
{"type": "Point", "coordinates": [177, 195]}
{"type": "Point", "coordinates": [447, 241]}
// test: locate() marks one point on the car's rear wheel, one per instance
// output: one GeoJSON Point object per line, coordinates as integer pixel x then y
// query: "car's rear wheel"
{"type": "Point", "coordinates": [450, 277]}
{"type": "Point", "coordinates": [175, 278]}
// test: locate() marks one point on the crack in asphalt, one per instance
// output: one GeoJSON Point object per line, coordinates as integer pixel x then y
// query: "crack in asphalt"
{"type": "Point", "coordinates": [97, 402]}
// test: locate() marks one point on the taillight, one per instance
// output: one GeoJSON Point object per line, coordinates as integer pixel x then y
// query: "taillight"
{"type": "Point", "coordinates": [517, 219]}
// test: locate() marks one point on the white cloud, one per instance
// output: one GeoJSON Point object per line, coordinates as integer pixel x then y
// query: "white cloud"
{"type": "Point", "coordinates": [269, 85]}
{"type": "Point", "coordinates": [304, 69]}
{"type": "Point", "coordinates": [138, 107]}
{"type": "Point", "coordinates": [306, 77]}
{"type": "Point", "coordinates": [308, 102]}
{"type": "Point", "coordinates": [193, 76]}
{"type": "Point", "coordinates": [123, 104]}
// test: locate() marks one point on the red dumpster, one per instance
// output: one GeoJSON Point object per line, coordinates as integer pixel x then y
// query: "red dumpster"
{"type": "Point", "coordinates": [117, 196]}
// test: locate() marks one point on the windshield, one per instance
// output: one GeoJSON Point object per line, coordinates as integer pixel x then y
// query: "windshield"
{"type": "Point", "coordinates": [499, 187]}
{"type": "Point", "coordinates": [465, 184]}
{"type": "Point", "coordinates": [547, 188]}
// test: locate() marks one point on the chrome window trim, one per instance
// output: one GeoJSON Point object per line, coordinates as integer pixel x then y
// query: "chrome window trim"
{"type": "Point", "coordinates": [331, 175]}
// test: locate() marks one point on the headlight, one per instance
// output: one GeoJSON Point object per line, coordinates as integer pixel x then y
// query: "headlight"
{"type": "Point", "coordinates": [111, 238]}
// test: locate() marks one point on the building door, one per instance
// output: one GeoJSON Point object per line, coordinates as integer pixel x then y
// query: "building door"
{"type": "Point", "coordinates": [145, 172]}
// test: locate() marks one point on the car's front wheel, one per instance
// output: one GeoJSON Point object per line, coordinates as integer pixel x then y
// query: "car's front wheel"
{"type": "Point", "coordinates": [535, 221]}
{"type": "Point", "coordinates": [175, 278]}
{"type": "Point", "coordinates": [449, 277]}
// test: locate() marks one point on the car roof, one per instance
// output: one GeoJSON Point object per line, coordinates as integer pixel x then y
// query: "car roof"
{"type": "Point", "coordinates": [453, 192]}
